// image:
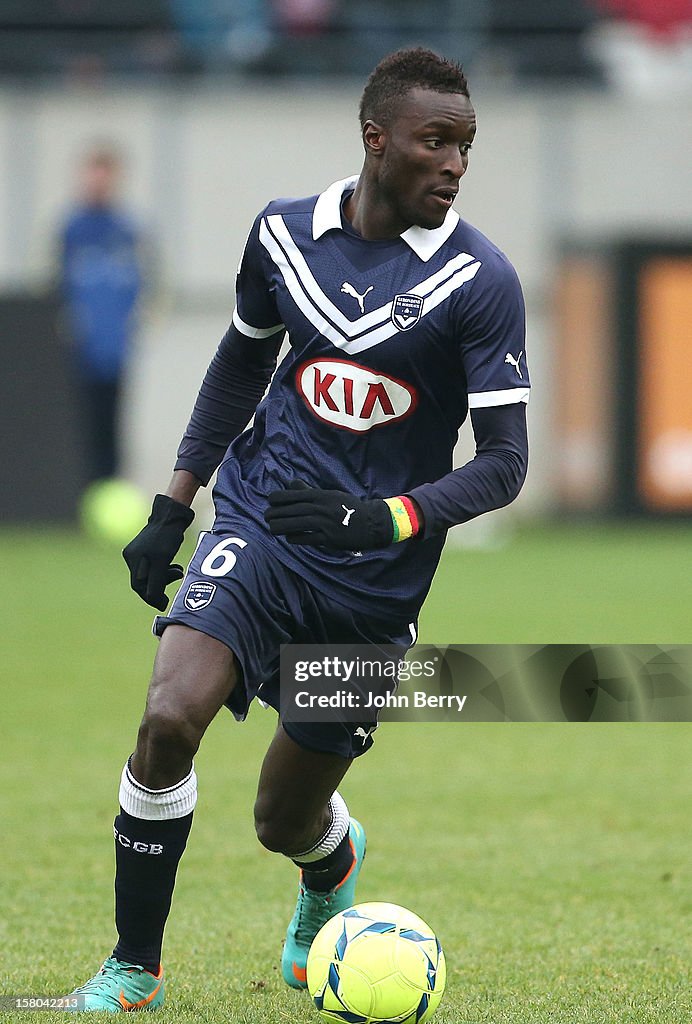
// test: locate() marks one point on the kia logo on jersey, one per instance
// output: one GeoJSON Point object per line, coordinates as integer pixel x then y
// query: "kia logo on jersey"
{"type": "Point", "coordinates": [353, 397]}
{"type": "Point", "coordinates": [406, 311]}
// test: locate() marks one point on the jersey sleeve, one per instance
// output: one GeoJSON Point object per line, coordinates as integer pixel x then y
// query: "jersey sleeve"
{"type": "Point", "coordinates": [492, 333]}
{"type": "Point", "coordinates": [232, 388]}
{"type": "Point", "coordinates": [255, 314]}
{"type": "Point", "coordinates": [491, 480]}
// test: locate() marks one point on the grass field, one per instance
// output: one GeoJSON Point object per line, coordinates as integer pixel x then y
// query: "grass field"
{"type": "Point", "coordinates": [553, 860]}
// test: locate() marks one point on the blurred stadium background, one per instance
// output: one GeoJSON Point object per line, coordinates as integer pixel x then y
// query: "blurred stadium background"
{"type": "Point", "coordinates": [580, 173]}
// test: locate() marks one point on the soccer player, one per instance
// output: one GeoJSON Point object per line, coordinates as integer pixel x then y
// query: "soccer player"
{"type": "Point", "coordinates": [331, 511]}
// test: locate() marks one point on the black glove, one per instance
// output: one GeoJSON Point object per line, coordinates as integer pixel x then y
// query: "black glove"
{"type": "Point", "coordinates": [150, 554]}
{"type": "Point", "coordinates": [329, 519]}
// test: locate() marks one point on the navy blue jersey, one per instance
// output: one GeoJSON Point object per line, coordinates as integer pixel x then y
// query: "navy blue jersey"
{"type": "Point", "coordinates": [390, 344]}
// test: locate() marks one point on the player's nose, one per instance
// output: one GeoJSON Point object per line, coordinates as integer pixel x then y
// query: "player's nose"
{"type": "Point", "coordinates": [454, 164]}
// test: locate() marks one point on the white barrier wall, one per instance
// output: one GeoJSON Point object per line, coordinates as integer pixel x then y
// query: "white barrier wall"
{"type": "Point", "coordinates": [202, 163]}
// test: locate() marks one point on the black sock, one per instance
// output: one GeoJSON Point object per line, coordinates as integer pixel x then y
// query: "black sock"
{"type": "Point", "coordinates": [146, 860]}
{"type": "Point", "coordinates": [323, 875]}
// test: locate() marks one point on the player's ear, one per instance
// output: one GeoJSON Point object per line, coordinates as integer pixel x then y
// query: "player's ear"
{"type": "Point", "coordinates": [374, 137]}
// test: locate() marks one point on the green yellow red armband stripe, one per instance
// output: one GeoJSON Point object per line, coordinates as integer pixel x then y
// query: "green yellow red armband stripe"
{"type": "Point", "coordinates": [404, 519]}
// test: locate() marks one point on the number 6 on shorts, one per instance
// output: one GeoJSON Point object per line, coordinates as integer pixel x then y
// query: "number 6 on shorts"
{"type": "Point", "coordinates": [220, 560]}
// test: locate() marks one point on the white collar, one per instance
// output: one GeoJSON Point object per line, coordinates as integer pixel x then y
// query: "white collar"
{"type": "Point", "coordinates": [425, 243]}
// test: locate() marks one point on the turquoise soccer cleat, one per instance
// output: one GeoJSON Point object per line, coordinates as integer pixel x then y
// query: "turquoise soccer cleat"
{"type": "Point", "coordinates": [120, 987]}
{"type": "Point", "coordinates": [314, 909]}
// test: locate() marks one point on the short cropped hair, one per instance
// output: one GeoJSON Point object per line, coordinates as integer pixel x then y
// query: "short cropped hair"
{"type": "Point", "coordinates": [402, 71]}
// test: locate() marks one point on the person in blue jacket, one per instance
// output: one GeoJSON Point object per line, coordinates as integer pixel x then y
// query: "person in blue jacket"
{"type": "Point", "coordinates": [101, 282]}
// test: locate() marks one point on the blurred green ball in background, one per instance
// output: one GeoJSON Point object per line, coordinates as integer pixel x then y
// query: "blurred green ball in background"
{"type": "Point", "coordinates": [113, 511]}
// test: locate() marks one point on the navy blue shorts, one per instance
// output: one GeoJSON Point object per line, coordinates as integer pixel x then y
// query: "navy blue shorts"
{"type": "Point", "coordinates": [237, 591]}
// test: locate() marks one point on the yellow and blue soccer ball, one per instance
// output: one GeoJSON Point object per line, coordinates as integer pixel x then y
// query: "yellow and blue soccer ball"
{"type": "Point", "coordinates": [374, 963]}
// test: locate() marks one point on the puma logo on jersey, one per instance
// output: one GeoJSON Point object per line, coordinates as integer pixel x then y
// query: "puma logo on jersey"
{"type": "Point", "coordinates": [348, 289]}
{"type": "Point", "coordinates": [363, 733]}
{"type": "Point", "coordinates": [509, 358]}
{"type": "Point", "coordinates": [349, 512]}
{"type": "Point", "coordinates": [351, 396]}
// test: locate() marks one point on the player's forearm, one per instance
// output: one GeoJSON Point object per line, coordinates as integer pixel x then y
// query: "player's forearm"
{"type": "Point", "coordinates": [488, 482]}
{"type": "Point", "coordinates": [183, 486]}
{"type": "Point", "coordinates": [231, 391]}
{"type": "Point", "coordinates": [491, 480]}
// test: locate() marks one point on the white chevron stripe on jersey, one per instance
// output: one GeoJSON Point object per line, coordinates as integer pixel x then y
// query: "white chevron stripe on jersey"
{"type": "Point", "coordinates": [284, 251]}
{"type": "Point", "coordinates": [279, 230]}
{"type": "Point", "coordinates": [368, 330]}
{"type": "Point", "coordinates": [429, 285]}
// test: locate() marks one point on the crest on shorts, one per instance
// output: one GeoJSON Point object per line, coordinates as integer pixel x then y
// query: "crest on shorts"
{"type": "Point", "coordinates": [406, 311]}
{"type": "Point", "coordinates": [199, 595]}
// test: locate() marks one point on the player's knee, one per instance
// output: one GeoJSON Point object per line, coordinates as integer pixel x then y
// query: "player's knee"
{"type": "Point", "coordinates": [272, 836]}
{"type": "Point", "coordinates": [276, 833]}
{"type": "Point", "coordinates": [166, 728]}
{"type": "Point", "coordinates": [266, 828]}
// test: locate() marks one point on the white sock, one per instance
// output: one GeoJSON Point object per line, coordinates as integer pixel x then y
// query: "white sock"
{"type": "Point", "coordinates": [337, 829]}
{"type": "Point", "coordinates": [157, 804]}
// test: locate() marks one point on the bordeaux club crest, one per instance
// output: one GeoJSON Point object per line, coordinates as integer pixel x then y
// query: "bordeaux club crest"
{"type": "Point", "coordinates": [199, 595]}
{"type": "Point", "coordinates": [406, 311]}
